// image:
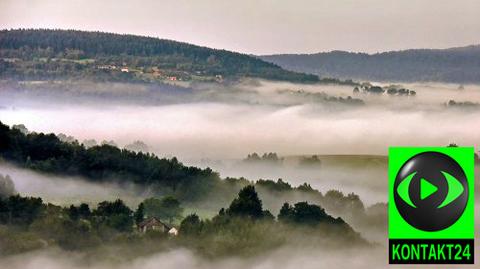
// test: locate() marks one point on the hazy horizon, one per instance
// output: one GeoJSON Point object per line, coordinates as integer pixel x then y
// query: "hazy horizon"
{"type": "Point", "coordinates": [264, 27]}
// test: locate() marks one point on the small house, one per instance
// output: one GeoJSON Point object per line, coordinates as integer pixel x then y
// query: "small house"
{"type": "Point", "coordinates": [153, 224]}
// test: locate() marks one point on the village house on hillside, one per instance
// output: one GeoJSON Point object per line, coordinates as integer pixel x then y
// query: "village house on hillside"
{"type": "Point", "coordinates": [154, 224]}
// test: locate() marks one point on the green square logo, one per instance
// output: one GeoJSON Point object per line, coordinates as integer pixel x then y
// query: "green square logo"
{"type": "Point", "coordinates": [431, 204]}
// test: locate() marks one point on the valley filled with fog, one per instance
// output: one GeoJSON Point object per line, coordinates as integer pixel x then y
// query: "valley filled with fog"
{"type": "Point", "coordinates": [217, 126]}
{"type": "Point", "coordinates": [325, 135]}
{"type": "Point", "coordinates": [228, 122]}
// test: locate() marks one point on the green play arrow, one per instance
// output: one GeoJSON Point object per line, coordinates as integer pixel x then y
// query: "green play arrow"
{"type": "Point", "coordinates": [426, 189]}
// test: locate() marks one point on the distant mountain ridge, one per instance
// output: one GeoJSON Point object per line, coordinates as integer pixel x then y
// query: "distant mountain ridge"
{"type": "Point", "coordinates": [65, 54]}
{"type": "Point", "coordinates": [454, 65]}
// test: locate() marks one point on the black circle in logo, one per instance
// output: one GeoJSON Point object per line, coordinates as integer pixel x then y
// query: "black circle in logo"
{"type": "Point", "coordinates": [428, 188]}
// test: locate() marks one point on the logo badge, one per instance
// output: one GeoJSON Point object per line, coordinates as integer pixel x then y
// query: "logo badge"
{"type": "Point", "coordinates": [431, 217]}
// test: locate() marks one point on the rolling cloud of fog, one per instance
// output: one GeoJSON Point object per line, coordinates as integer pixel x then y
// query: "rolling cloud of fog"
{"type": "Point", "coordinates": [219, 125]}
{"type": "Point", "coordinates": [288, 258]}
{"type": "Point", "coordinates": [253, 118]}
{"type": "Point", "coordinates": [362, 177]}
{"type": "Point", "coordinates": [69, 190]}
{"type": "Point", "coordinates": [181, 258]}
{"type": "Point", "coordinates": [221, 130]}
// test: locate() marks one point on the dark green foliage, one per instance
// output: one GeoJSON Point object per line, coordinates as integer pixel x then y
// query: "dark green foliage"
{"type": "Point", "coordinates": [139, 214]}
{"type": "Point", "coordinates": [189, 185]}
{"type": "Point", "coordinates": [241, 234]}
{"type": "Point", "coordinates": [178, 59]}
{"type": "Point", "coordinates": [267, 215]}
{"type": "Point", "coordinates": [120, 222]}
{"type": "Point", "coordinates": [271, 185]}
{"type": "Point", "coordinates": [73, 213]}
{"type": "Point", "coordinates": [319, 97]}
{"type": "Point", "coordinates": [22, 211]}
{"type": "Point", "coordinates": [286, 213]}
{"type": "Point", "coordinates": [107, 209]}
{"type": "Point", "coordinates": [167, 208]}
{"type": "Point", "coordinates": [305, 187]}
{"type": "Point", "coordinates": [191, 225]}
{"type": "Point", "coordinates": [349, 204]}
{"type": "Point", "coordinates": [270, 157]}
{"type": "Point", "coordinates": [46, 153]}
{"type": "Point", "coordinates": [84, 211]}
{"type": "Point", "coordinates": [247, 232]}
{"type": "Point", "coordinates": [304, 213]}
{"type": "Point", "coordinates": [115, 215]}
{"type": "Point", "coordinates": [247, 204]}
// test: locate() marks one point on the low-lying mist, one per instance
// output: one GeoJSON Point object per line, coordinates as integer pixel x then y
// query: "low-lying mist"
{"type": "Point", "coordinates": [182, 258]}
{"type": "Point", "coordinates": [69, 190]}
{"type": "Point", "coordinates": [219, 125]}
{"type": "Point", "coordinates": [287, 257]}
{"type": "Point", "coordinates": [229, 122]}
{"type": "Point", "coordinates": [364, 175]}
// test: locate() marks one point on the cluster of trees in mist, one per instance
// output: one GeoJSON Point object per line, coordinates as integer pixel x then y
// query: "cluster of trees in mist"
{"type": "Point", "coordinates": [243, 228]}
{"type": "Point", "coordinates": [271, 158]}
{"type": "Point", "coordinates": [321, 97]}
{"type": "Point", "coordinates": [54, 54]}
{"type": "Point", "coordinates": [7, 187]}
{"type": "Point", "coordinates": [463, 105]}
{"type": "Point", "coordinates": [392, 90]}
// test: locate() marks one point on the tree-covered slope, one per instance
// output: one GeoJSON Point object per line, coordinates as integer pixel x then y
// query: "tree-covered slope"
{"type": "Point", "coordinates": [456, 65]}
{"type": "Point", "coordinates": [46, 153]}
{"type": "Point", "coordinates": [53, 54]}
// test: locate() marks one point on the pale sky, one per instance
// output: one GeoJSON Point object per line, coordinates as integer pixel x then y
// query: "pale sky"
{"type": "Point", "coordinates": [264, 26]}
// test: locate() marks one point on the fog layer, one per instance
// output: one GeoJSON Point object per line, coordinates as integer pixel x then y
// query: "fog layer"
{"type": "Point", "coordinates": [229, 123]}
{"type": "Point", "coordinates": [219, 125]}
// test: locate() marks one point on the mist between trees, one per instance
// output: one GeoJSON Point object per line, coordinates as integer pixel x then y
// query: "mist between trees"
{"type": "Point", "coordinates": [201, 189]}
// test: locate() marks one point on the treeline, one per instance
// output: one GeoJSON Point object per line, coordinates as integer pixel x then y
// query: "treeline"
{"type": "Point", "coordinates": [47, 153]}
{"type": "Point", "coordinates": [243, 228]}
{"type": "Point", "coordinates": [321, 97]}
{"type": "Point", "coordinates": [392, 90]}
{"type": "Point", "coordinates": [106, 163]}
{"type": "Point", "coordinates": [136, 52]}
{"type": "Point", "coordinates": [455, 65]}
{"type": "Point", "coordinates": [270, 157]}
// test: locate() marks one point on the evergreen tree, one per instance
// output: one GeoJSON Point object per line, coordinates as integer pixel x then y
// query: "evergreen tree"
{"type": "Point", "coordinates": [73, 213]}
{"type": "Point", "coordinates": [84, 211]}
{"type": "Point", "coordinates": [139, 214]}
{"type": "Point", "coordinates": [247, 204]}
{"type": "Point", "coordinates": [191, 225]}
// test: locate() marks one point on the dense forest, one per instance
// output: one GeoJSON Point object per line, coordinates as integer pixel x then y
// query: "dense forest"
{"type": "Point", "coordinates": [46, 153]}
{"type": "Point", "coordinates": [243, 228]}
{"type": "Point", "coordinates": [455, 65]}
{"type": "Point", "coordinates": [68, 54]}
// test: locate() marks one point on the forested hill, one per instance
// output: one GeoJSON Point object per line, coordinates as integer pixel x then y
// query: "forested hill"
{"type": "Point", "coordinates": [56, 54]}
{"type": "Point", "coordinates": [455, 65]}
